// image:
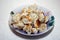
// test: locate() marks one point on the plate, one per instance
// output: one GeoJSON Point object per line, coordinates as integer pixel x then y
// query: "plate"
{"type": "Point", "coordinates": [50, 24]}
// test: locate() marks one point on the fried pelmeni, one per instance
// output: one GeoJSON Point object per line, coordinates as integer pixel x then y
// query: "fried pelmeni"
{"type": "Point", "coordinates": [33, 16]}
{"type": "Point", "coordinates": [37, 23]}
{"type": "Point", "coordinates": [24, 10]}
{"type": "Point", "coordinates": [41, 17]}
{"type": "Point", "coordinates": [16, 17]}
{"type": "Point", "coordinates": [26, 20]}
{"type": "Point", "coordinates": [24, 14]}
{"type": "Point", "coordinates": [46, 18]}
{"type": "Point", "coordinates": [34, 30]}
{"type": "Point", "coordinates": [43, 27]}
{"type": "Point", "coordinates": [28, 28]}
{"type": "Point", "coordinates": [33, 7]}
{"type": "Point", "coordinates": [20, 25]}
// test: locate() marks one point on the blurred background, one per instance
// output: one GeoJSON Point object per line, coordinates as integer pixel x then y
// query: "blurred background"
{"type": "Point", "coordinates": [6, 6]}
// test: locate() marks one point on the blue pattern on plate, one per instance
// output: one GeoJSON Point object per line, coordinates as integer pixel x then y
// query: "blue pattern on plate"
{"type": "Point", "coordinates": [51, 22]}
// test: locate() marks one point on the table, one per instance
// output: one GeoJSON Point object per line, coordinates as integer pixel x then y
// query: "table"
{"type": "Point", "coordinates": [6, 6]}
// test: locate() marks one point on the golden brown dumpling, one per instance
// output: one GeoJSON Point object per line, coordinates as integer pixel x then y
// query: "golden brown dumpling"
{"type": "Point", "coordinates": [46, 18]}
{"type": "Point", "coordinates": [33, 7]}
{"type": "Point", "coordinates": [28, 28]}
{"type": "Point", "coordinates": [16, 17]}
{"type": "Point", "coordinates": [24, 10]}
{"type": "Point", "coordinates": [24, 14]}
{"type": "Point", "coordinates": [26, 21]}
{"type": "Point", "coordinates": [43, 27]}
{"type": "Point", "coordinates": [37, 23]}
{"type": "Point", "coordinates": [33, 16]}
{"type": "Point", "coordinates": [20, 25]}
{"type": "Point", "coordinates": [34, 30]}
{"type": "Point", "coordinates": [41, 17]}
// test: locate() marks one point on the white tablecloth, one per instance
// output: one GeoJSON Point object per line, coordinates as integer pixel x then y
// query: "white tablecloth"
{"type": "Point", "coordinates": [8, 5]}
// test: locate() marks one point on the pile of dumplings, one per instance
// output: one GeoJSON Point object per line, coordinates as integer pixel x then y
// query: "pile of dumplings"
{"type": "Point", "coordinates": [30, 20]}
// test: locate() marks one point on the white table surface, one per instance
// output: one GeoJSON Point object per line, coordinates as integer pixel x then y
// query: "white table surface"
{"type": "Point", "coordinates": [8, 5]}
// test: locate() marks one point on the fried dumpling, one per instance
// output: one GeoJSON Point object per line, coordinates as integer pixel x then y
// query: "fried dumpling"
{"type": "Point", "coordinates": [37, 23]}
{"type": "Point", "coordinates": [41, 17]}
{"type": "Point", "coordinates": [34, 30]}
{"type": "Point", "coordinates": [24, 14]}
{"type": "Point", "coordinates": [26, 21]}
{"type": "Point", "coordinates": [16, 17]}
{"type": "Point", "coordinates": [43, 27]}
{"type": "Point", "coordinates": [33, 16]}
{"type": "Point", "coordinates": [24, 10]}
{"type": "Point", "coordinates": [33, 7]}
{"type": "Point", "coordinates": [20, 25]}
{"type": "Point", "coordinates": [46, 18]}
{"type": "Point", "coordinates": [28, 28]}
